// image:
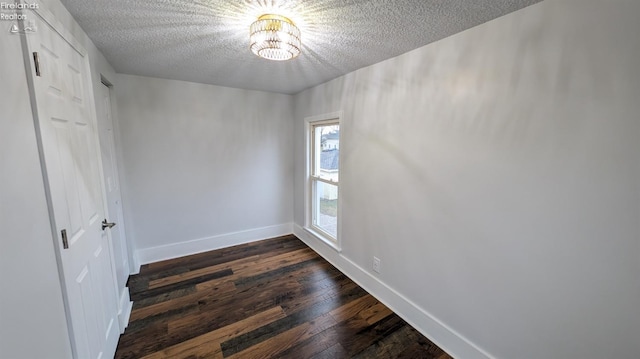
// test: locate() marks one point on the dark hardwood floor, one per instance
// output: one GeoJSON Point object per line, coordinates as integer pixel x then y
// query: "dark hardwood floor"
{"type": "Point", "coordinates": [273, 298]}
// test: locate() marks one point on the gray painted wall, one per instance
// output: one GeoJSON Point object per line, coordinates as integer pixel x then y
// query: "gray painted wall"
{"type": "Point", "coordinates": [496, 175]}
{"type": "Point", "coordinates": [202, 161]}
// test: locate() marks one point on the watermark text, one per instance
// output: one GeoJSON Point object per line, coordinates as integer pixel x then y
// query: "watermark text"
{"type": "Point", "coordinates": [13, 11]}
{"type": "Point", "coordinates": [18, 6]}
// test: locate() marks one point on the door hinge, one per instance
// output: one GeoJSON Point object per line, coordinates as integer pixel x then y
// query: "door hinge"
{"type": "Point", "coordinates": [65, 241]}
{"type": "Point", "coordinates": [36, 61]}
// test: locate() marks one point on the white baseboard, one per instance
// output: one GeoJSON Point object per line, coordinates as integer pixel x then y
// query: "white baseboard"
{"type": "Point", "coordinates": [135, 268]}
{"type": "Point", "coordinates": [439, 333]}
{"type": "Point", "coordinates": [181, 249]}
{"type": "Point", "coordinates": [125, 308]}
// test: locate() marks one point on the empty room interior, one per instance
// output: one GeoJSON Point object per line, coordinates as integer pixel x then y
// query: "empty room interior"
{"type": "Point", "coordinates": [460, 178]}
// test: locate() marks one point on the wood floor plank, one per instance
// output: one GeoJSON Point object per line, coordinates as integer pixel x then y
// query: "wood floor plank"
{"type": "Point", "coordinates": [275, 345]}
{"type": "Point", "coordinates": [274, 262]}
{"type": "Point", "coordinates": [209, 344]}
{"type": "Point", "coordinates": [293, 319]}
{"type": "Point", "coordinates": [317, 294]}
{"type": "Point", "coordinates": [141, 302]}
{"type": "Point", "coordinates": [334, 352]}
{"type": "Point", "coordinates": [298, 271]}
{"type": "Point", "coordinates": [312, 346]}
{"type": "Point", "coordinates": [131, 346]}
{"type": "Point", "coordinates": [216, 310]}
{"type": "Point", "coordinates": [161, 282]}
{"type": "Point", "coordinates": [351, 309]}
{"type": "Point", "coordinates": [203, 290]}
{"type": "Point", "coordinates": [400, 344]}
{"type": "Point", "coordinates": [241, 267]}
{"type": "Point", "coordinates": [181, 284]}
{"type": "Point", "coordinates": [375, 313]}
{"type": "Point", "coordinates": [357, 334]}
{"type": "Point", "coordinates": [269, 299]}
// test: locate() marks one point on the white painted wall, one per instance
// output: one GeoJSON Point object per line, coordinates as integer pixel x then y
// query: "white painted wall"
{"type": "Point", "coordinates": [510, 158]}
{"type": "Point", "coordinates": [203, 163]}
{"type": "Point", "coordinates": [31, 306]}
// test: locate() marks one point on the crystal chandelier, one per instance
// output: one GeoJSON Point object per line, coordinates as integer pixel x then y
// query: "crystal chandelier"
{"type": "Point", "coordinates": [275, 37]}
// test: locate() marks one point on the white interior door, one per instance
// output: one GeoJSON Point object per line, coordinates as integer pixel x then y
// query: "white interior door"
{"type": "Point", "coordinates": [114, 202]}
{"type": "Point", "coordinates": [66, 127]}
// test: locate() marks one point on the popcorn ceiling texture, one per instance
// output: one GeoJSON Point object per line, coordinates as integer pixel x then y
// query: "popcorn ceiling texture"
{"type": "Point", "coordinates": [207, 41]}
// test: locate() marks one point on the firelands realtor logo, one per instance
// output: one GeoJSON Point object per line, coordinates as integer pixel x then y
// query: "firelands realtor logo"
{"type": "Point", "coordinates": [15, 11]}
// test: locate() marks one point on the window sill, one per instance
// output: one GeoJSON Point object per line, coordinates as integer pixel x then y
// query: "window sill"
{"type": "Point", "coordinates": [329, 242]}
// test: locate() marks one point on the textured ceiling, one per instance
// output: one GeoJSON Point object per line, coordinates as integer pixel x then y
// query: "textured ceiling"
{"type": "Point", "coordinates": [207, 41]}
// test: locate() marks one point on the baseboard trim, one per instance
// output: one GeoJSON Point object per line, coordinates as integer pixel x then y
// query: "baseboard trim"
{"type": "Point", "coordinates": [439, 333]}
{"type": "Point", "coordinates": [136, 264]}
{"type": "Point", "coordinates": [125, 308]}
{"type": "Point", "coordinates": [181, 249]}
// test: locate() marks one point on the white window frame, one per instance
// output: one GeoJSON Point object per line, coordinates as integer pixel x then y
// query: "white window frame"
{"type": "Point", "coordinates": [311, 122]}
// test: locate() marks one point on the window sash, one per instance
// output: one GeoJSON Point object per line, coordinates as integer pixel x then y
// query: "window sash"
{"type": "Point", "coordinates": [316, 204]}
{"type": "Point", "coordinates": [316, 146]}
{"type": "Point", "coordinates": [315, 179]}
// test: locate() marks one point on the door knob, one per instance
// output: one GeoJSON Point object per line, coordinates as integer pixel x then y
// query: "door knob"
{"type": "Point", "coordinates": [106, 224]}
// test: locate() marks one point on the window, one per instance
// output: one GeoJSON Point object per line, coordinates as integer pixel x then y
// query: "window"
{"type": "Point", "coordinates": [324, 164]}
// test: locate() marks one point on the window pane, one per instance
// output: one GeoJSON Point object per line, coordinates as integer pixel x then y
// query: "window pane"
{"type": "Point", "coordinates": [327, 149]}
{"type": "Point", "coordinates": [325, 213]}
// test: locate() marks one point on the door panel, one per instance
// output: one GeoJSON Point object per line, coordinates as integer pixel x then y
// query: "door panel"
{"type": "Point", "coordinates": [71, 161]}
{"type": "Point", "coordinates": [113, 194]}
